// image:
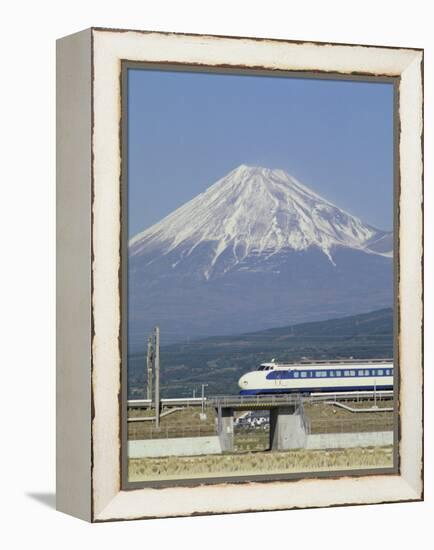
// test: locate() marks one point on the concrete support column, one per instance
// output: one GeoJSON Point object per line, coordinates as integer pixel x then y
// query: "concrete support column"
{"type": "Point", "coordinates": [286, 429]}
{"type": "Point", "coordinates": [225, 417]}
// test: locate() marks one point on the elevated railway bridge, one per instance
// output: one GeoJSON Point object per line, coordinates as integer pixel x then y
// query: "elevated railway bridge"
{"type": "Point", "coordinates": [287, 428]}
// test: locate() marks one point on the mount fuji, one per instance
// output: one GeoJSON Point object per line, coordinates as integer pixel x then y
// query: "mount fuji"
{"type": "Point", "coordinates": [256, 250]}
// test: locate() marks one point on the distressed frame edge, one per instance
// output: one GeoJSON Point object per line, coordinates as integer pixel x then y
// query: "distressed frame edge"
{"type": "Point", "coordinates": [410, 491]}
{"type": "Point", "coordinates": [254, 38]}
{"type": "Point", "coordinates": [73, 275]}
{"type": "Point", "coordinates": [411, 253]}
{"type": "Point", "coordinates": [113, 510]}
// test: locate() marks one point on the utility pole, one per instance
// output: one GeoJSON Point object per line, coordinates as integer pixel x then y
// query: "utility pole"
{"type": "Point", "coordinates": [375, 393]}
{"type": "Point", "coordinates": [157, 376]}
{"type": "Point", "coordinates": [149, 358]}
{"type": "Point", "coordinates": [202, 414]}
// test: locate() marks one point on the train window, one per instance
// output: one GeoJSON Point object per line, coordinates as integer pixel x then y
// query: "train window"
{"type": "Point", "coordinates": [295, 374]}
{"type": "Point", "coordinates": [380, 372]}
{"type": "Point", "coordinates": [346, 373]}
{"type": "Point", "coordinates": [360, 373]}
{"type": "Point", "coordinates": [338, 373]}
{"type": "Point", "coordinates": [387, 372]}
{"type": "Point", "coordinates": [352, 373]}
{"type": "Point", "coordinates": [303, 374]}
{"type": "Point", "coordinates": [331, 373]}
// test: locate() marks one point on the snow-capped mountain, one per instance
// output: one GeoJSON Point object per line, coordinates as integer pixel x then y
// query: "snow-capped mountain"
{"type": "Point", "coordinates": [255, 211]}
{"type": "Point", "coordinates": [263, 244]}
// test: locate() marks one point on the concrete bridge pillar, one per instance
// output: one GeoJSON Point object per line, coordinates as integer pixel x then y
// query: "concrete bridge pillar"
{"type": "Point", "coordinates": [225, 428]}
{"type": "Point", "coordinates": [286, 429]}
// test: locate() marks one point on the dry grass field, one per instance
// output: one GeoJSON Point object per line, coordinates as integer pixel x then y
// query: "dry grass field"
{"type": "Point", "coordinates": [181, 423]}
{"type": "Point", "coordinates": [251, 455]}
{"type": "Point", "coordinates": [323, 418]}
{"type": "Point", "coordinates": [256, 463]}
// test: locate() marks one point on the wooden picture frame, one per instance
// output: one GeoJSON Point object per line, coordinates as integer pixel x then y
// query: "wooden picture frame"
{"type": "Point", "coordinates": [90, 168]}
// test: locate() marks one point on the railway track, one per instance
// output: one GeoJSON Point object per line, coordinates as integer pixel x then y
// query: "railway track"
{"type": "Point", "coordinates": [260, 401]}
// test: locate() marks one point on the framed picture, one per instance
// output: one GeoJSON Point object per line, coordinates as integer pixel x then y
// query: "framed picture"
{"type": "Point", "coordinates": [240, 300]}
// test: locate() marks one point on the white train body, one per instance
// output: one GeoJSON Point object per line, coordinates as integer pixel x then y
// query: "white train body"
{"type": "Point", "coordinates": [319, 376]}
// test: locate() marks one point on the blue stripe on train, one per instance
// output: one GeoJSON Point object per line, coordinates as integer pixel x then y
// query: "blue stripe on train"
{"type": "Point", "coordinates": [311, 390]}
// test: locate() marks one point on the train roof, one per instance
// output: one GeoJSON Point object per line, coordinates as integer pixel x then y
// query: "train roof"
{"type": "Point", "coordinates": [332, 363]}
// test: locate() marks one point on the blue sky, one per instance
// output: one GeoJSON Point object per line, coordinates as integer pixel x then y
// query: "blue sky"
{"type": "Point", "coordinates": [186, 130]}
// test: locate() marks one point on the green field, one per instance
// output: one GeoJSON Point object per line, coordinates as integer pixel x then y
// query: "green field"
{"type": "Point", "coordinates": [220, 361]}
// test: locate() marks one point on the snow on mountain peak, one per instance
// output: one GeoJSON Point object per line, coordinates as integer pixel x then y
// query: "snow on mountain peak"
{"type": "Point", "coordinates": [254, 211]}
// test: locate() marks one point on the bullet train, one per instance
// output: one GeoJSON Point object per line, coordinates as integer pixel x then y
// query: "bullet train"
{"type": "Point", "coordinates": [319, 376]}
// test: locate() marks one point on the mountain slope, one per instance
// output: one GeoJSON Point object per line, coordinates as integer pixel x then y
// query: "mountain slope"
{"type": "Point", "coordinates": [257, 249]}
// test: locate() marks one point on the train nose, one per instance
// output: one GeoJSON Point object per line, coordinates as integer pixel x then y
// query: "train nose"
{"type": "Point", "coordinates": [243, 382]}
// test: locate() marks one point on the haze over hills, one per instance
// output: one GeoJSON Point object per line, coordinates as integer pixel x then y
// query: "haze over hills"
{"type": "Point", "coordinates": [220, 361]}
{"type": "Point", "coordinates": [256, 250]}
